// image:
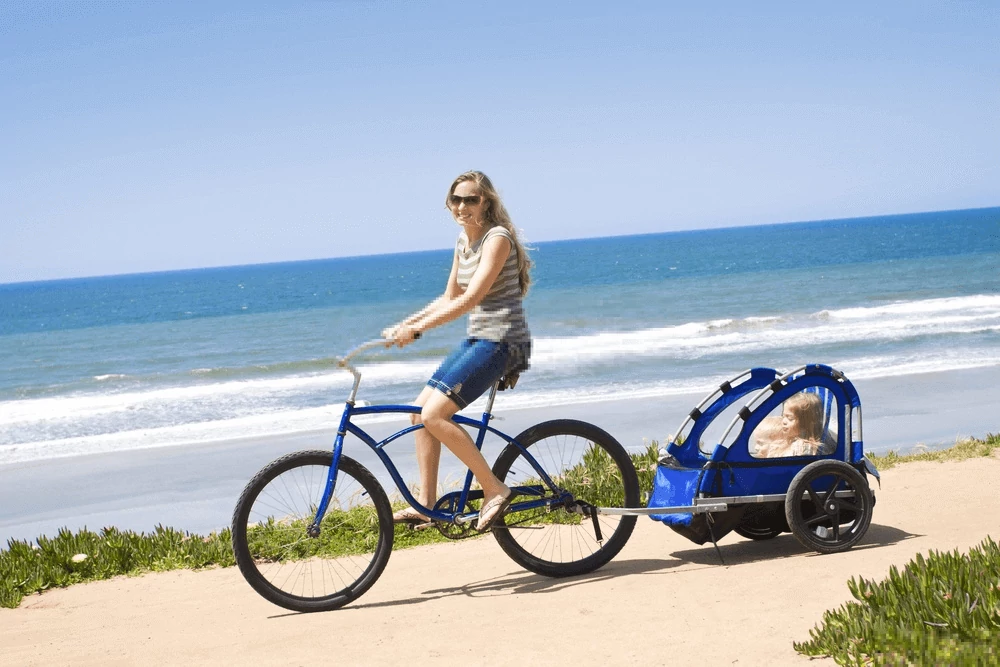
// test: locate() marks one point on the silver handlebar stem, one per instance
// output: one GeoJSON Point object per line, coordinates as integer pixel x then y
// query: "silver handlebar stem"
{"type": "Point", "coordinates": [343, 362]}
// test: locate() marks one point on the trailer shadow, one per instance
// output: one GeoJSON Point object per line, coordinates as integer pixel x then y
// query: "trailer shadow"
{"type": "Point", "coordinates": [783, 546]}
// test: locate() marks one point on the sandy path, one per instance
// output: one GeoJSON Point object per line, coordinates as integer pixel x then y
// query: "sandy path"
{"type": "Point", "coordinates": [664, 600]}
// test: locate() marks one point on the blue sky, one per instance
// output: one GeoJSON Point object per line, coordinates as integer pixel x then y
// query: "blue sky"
{"type": "Point", "coordinates": [156, 136]}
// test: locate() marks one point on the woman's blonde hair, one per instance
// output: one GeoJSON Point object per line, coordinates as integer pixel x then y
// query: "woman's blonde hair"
{"type": "Point", "coordinates": [808, 411]}
{"type": "Point", "coordinates": [495, 213]}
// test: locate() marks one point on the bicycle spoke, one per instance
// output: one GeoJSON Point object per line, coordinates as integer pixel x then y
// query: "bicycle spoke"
{"type": "Point", "coordinates": [287, 565]}
{"type": "Point", "coordinates": [559, 539]}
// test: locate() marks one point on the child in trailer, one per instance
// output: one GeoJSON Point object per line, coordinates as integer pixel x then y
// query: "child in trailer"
{"type": "Point", "coordinates": [797, 432]}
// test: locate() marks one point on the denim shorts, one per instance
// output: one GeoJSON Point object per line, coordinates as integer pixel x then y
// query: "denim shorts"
{"type": "Point", "coordinates": [469, 371]}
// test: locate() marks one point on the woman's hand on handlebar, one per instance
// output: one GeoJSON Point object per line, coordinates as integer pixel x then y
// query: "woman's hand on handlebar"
{"type": "Point", "coordinates": [400, 334]}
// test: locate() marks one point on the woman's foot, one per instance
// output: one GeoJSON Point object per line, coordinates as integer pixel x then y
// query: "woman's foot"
{"type": "Point", "coordinates": [410, 516]}
{"type": "Point", "coordinates": [493, 509]}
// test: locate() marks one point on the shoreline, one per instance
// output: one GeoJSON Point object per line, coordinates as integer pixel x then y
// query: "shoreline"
{"type": "Point", "coordinates": [194, 487]}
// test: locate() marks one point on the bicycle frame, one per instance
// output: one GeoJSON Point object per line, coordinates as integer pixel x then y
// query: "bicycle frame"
{"type": "Point", "coordinates": [466, 493]}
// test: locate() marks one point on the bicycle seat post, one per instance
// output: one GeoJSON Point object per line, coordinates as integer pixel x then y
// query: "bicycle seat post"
{"type": "Point", "coordinates": [489, 401]}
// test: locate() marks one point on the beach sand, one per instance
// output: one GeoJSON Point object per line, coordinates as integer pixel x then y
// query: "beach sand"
{"type": "Point", "coordinates": [195, 487]}
{"type": "Point", "coordinates": [663, 600]}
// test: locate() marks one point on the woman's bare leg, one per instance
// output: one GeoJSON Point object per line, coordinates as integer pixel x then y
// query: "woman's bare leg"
{"type": "Point", "coordinates": [437, 412]}
{"type": "Point", "coordinates": [428, 455]}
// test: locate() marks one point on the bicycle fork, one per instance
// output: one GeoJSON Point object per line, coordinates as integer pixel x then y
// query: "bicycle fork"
{"type": "Point", "coordinates": [331, 478]}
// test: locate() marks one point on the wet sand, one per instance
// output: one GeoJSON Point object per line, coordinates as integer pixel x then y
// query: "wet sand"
{"type": "Point", "coordinates": [195, 487]}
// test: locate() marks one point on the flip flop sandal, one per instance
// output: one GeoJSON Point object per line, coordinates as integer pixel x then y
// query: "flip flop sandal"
{"type": "Point", "coordinates": [411, 517]}
{"type": "Point", "coordinates": [492, 511]}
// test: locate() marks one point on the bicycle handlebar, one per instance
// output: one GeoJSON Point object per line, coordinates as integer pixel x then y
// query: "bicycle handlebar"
{"type": "Point", "coordinates": [343, 361]}
{"type": "Point", "coordinates": [367, 345]}
{"type": "Point", "coordinates": [385, 342]}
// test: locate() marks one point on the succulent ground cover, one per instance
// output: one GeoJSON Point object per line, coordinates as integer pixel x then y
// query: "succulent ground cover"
{"type": "Point", "coordinates": [940, 609]}
{"type": "Point", "coordinates": [71, 558]}
{"type": "Point", "coordinates": [960, 451]}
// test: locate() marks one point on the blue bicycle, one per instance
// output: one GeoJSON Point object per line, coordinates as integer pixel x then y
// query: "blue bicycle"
{"type": "Point", "coordinates": [313, 530]}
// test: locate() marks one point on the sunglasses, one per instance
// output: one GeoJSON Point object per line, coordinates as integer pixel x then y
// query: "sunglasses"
{"type": "Point", "coordinates": [471, 200]}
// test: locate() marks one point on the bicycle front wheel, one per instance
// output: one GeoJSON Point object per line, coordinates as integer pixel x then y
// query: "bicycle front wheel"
{"type": "Point", "coordinates": [580, 459]}
{"type": "Point", "coordinates": [293, 569]}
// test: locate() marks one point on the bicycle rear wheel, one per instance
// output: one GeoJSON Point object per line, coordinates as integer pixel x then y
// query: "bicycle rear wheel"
{"type": "Point", "coordinates": [588, 463]}
{"type": "Point", "coordinates": [279, 558]}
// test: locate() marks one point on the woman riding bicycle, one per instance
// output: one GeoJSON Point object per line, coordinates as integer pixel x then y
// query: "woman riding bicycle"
{"type": "Point", "coordinates": [489, 278]}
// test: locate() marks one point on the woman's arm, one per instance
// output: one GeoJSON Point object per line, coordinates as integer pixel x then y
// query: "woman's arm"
{"type": "Point", "coordinates": [451, 290]}
{"type": "Point", "coordinates": [410, 319]}
{"type": "Point", "coordinates": [454, 303]}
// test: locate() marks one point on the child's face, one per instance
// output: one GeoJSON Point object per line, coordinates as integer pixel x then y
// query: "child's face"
{"type": "Point", "coordinates": [789, 422]}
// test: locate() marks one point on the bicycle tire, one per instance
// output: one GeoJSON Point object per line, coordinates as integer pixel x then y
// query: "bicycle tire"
{"type": "Point", "coordinates": [282, 562]}
{"type": "Point", "coordinates": [555, 542]}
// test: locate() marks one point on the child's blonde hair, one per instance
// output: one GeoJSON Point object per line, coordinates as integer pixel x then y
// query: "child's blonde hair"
{"type": "Point", "coordinates": [808, 411]}
{"type": "Point", "coordinates": [769, 430]}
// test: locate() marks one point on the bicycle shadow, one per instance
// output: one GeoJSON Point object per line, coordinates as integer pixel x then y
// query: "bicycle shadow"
{"type": "Point", "coordinates": [528, 583]}
{"type": "Point", "coordinates": [739, 553]}
{"type": "Point", "coordinates": [784, 546]}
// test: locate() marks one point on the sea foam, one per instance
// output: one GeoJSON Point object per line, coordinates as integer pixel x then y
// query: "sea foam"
{"type": "Point", "coordinates": [916, 336]}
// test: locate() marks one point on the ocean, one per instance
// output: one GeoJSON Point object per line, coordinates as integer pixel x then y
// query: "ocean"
{"type": "Point", "coordinates": [116, 363]}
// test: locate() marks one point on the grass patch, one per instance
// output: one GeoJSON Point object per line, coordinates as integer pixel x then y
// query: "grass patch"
{"type": "Point", "coordinates": [960, 451]}
{"type": "Point", "coordinates": [71, 558]}
{"type": "Point", "coordinates": [942, 609]}
{"type": "Point", "coordinates": [645, 467]}
{"type": "Point", "coordinates": [595, 480]}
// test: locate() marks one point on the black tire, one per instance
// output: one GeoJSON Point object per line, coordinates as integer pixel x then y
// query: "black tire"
{"type": "Point", "coordinates": [277, 556]}
{"type": "Point", "coordinates": [821, 520]}
{"type": "Point", "coordinates": [560, 543]}
{"type": "Point", "coordinates": [764, 521]}
{"type": "Point", "coordinates": [752, 533]}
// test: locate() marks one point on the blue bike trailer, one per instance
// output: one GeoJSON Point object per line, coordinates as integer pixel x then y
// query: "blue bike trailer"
{"type": "Point", "coordinates": [704, 490]}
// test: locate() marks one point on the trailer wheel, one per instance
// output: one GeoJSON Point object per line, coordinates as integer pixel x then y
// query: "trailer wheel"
{"type": "Point", "coordinates": [829, 506]}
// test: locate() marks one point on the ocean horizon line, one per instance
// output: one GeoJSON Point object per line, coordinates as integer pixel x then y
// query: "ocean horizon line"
{"type": "Point", "coordinates": [433, 251]}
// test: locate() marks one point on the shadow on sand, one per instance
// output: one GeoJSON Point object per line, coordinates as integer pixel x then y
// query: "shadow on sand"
{"type": "Point", "coordinates": [739, 553]}
{"type": "Point", "coordinates": [521, 582]}
{"type": "Point", "coordinates": [784, 546]}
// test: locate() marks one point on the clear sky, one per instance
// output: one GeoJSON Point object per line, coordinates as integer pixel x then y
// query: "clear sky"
{"type": "Point", "coordinates": [144, 136]}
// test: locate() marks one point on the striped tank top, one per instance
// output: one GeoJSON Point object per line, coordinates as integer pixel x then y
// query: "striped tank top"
{"type": "Point", "coordinates": [499, 317]}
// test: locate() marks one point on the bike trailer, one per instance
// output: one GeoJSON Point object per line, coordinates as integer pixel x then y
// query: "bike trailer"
{"type": "Point", "coordinates": [792, 459]}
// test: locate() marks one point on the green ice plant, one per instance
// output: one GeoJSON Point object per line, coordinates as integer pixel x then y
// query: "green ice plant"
{"type": "Point", "coordinates": [70, 558]}
{"type": "Point", "coordinates": [941, 609]}
{"type": "Point", "coordinates": [960, 451]}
